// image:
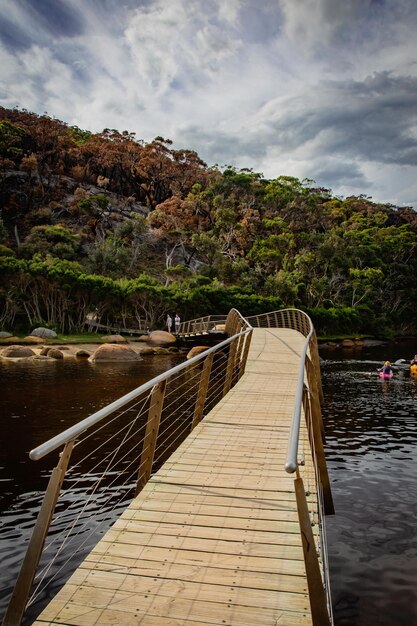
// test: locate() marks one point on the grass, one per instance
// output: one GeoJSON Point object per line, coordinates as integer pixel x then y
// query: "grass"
{"type": "Point", "coordinates": [342, 336]}
{"type": "Point", "coordinates": [69, 339]}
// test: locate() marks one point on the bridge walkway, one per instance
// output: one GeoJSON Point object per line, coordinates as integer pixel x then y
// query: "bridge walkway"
{"type": "Point", "coordinates": [213, 538]}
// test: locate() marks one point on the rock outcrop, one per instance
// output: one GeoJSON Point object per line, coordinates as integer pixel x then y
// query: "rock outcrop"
{"type": "Point", "coordinates": [33, 340]}
{"type": "Point", "coordinates": [45, 333]}
{"type": "Point", "coordinates": [114, 339]}
{"type": "Point", "coordinates": [114, 352]}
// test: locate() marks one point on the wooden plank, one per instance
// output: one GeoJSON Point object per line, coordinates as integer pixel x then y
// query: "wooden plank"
{"type": "Point", "coordinates": [244, 578]}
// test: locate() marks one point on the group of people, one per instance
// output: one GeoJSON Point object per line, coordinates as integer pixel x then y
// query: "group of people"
{"type": "Point", "coordinates": [386, 369]}
{"type": "Point", "coordinates": [177, 322]}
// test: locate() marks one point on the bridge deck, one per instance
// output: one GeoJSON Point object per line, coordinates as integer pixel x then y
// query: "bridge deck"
{"type": "Point", "coordinates": [213, 538]}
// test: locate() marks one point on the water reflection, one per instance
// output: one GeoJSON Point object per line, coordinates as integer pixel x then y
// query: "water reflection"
{"type": "Point", "coordinates": [372, 453]}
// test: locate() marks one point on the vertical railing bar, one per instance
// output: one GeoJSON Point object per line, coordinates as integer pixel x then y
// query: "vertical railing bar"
{"type": "Point", "coordinates": [19, 598]}
{"type": "Point", "coordinates": [202, 390]}
{"type": "Point", "coordinates": [229, 369]}
{"type": "Point", "coordinates": [151, 435]}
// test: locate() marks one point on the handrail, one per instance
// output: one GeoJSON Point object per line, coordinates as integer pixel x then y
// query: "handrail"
{"type": "Point", "coordinates": [292, 454]}
{"type": "Point", "coordinates": [74, 431]}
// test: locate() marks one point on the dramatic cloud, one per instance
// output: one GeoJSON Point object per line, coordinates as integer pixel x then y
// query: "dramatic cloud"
{"type": "Point", "coordinates": [319, 89]}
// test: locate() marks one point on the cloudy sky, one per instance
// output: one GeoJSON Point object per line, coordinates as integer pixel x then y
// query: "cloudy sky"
{"type": "Point", "coordinates": [321, 89]}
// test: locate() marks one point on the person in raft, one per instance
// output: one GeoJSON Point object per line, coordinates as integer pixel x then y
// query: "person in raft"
{"type": "Point", "coordinates": [414, 360]}
{"type": "Point", "coordinates": [386, 369]}
{"type": "Point", "coordinates": [169, 323]}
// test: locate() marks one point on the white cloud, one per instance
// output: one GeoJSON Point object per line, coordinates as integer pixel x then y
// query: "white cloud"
{"type": "Point", "coordinates": [284, 86]}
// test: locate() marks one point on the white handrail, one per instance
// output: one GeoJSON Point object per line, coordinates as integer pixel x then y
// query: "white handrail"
{"type": "Point", "coordinates": [292, 454]}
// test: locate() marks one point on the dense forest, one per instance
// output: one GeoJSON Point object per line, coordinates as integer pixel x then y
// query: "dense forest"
{"type": "Point", "coordinates": [128, 230]}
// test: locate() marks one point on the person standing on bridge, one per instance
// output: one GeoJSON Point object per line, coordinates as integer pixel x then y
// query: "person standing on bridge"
{"type": "Point", "coordinates": [177, 323]}
{"type": "Point", "coordinates": [169, 323]}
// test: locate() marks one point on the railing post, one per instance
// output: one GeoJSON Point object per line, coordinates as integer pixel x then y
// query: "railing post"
{"type": "Point", "coordinates": [229, 369]}
{"type": "Point", "coordinates": [242, 366]}
{"type": "Point", "coordinates": [236, 365]}
{"type": "Point", "coordinates": [202, 390]}
{"type": "Point", "coordinates": [151, 435]}
{"type": "Point", "coordinates": [316, 592]}
{"type": "Point", "coordinates": [17, 604]}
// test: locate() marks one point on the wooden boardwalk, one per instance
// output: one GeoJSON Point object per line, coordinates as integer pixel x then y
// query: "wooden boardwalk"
{"type": "Point", "coordinates": [213, 538]}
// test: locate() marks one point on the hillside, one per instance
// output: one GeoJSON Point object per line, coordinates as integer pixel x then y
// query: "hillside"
{"type": "Point", "coordinates": [127, 229]}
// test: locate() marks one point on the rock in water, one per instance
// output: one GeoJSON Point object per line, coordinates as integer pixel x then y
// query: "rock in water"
{"type": "Point", "coordinates": [196, 350]}
{"type": "Point", "coordinates": [82, 354]}
{"type": "Point", "coordinates": [162, 338]}
{"type": "Point", "coordinates": [54, 353]}
{"type": "Point", "coordinates": [17, 352]}
{"type": "Point", "coordinates": [114, 352]}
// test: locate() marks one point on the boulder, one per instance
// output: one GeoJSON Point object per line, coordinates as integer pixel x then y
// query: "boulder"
{"type": "Point", "coordinates": [114, 339]}
{"type": "Point", "coordinates": [45, 333]}
{"type": "Point", "coordinates": [54, 353]}
{"type": "Point", "coordinates": [143, 338]}
{"type": "Point", "coordinates": [196, 350]}
{"type": "Point", "coordinates": [17, 352]}
{"type": "Point", "coordinates": [162, 338]}
{"type": "Point", "coordinates": [348, 343]}
{"type": "Point", "coordinates": [147, 351]}
{"type": "Point", "coordinates": [159, 350]}
{"type": "Point", "coordinates": [82, 354]}
{"type": "Point", "coordinates": [62, 348]}
{"type": "Point", "coordinates": [45, 351]}
{"type": "Point", "coordinates": [9, 340]}
{"type": "Point", "coordinates": [33, 340]}
{"type": "Point", "coordinates": [114, 352]}
{"type": "Point", "coordinates": [5, 335]}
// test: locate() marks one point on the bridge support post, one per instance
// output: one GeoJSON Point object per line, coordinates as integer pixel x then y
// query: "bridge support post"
{"type": "Point", "coordinates": [151, 435]}
{"type": "Point", "coordinates": [318, 603]}
{"type": "Point", "coordinates": [18, 601]}
{"type": "Point", "coordinates": [202, 390]}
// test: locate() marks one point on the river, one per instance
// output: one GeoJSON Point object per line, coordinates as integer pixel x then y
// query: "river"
{"type": "Point", "coordinates": [371, 449]}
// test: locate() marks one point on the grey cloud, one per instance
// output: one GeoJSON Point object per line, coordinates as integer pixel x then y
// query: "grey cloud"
{"type": "Point", "coordinates": [332, 172]}
{"type": "Point", "coordinates": [373, 119]}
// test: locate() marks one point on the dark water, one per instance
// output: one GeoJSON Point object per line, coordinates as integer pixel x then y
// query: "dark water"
{"type": "Point", "coordinates": [371, 428]}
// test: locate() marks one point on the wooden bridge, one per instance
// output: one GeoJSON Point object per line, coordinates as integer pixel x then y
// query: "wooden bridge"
{"type": "Point", "coordinates": [220, 533]}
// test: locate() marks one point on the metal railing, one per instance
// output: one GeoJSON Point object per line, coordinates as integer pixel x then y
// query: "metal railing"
{"type": "Point", "coordinates": [301, 461]}
{"type": "Point", "coordinates": [107, 458]}
{"type": "Point", "coordinates": [202, 324]}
